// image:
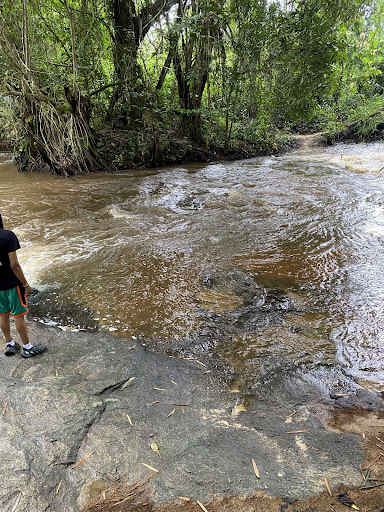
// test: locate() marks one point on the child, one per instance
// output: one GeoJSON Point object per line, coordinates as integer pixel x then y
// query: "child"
{"type": "Point", "coordinates": [14, 291]}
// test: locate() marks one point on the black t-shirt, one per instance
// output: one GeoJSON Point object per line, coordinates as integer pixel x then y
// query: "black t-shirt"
{"type": "Point", "coordinates": [8, 243]}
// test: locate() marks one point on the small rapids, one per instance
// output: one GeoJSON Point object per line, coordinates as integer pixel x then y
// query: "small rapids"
{"type": "Point", "coordinates": [274, 258]}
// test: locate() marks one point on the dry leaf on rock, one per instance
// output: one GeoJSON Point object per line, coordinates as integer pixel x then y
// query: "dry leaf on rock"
{"type": "Point", "coordinates": [127, 383]}
{"type": "Point", "coordinates": [255, 469]}
{"type": "Point", "coordinates": [155, 448]}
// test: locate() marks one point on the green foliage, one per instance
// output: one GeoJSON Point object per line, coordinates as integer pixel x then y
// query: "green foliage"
{"type": "Point", "coordinates": [221, 73]}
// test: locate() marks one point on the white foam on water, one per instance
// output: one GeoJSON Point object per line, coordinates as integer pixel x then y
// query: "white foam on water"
{"type": "Point", "coordinates": [117, 213]}
{"type": "Point", "coordinates": [360, 158]}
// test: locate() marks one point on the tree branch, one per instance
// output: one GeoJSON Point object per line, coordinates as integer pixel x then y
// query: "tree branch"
{"type": "Point", "coordinates": [38, 97]}
{"type": "Point", "coordinates": [149, 14]}
{"type": "Point", "coordinates": [164, 71]}
{"type": "Point", "coordinates": [101, 89]}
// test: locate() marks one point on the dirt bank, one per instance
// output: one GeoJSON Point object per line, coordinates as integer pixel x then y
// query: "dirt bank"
{"type": "Point", "coordinates": [128, 149]}
{"type": "Point", "coordinates": [363, 500]}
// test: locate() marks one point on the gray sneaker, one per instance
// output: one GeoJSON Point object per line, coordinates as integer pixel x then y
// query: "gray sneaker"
{"type": "Point", "coordinates": [12, 349]}
{"type": "Point", "coordinates": [33, 351]}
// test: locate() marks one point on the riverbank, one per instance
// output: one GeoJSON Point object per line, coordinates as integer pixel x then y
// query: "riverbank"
{"type": "Point", "coordinates": [96, 410]}
{"type": "Point", "coordinates": [124, 149]}
{"type": "Point", "coordinates": [117, 150]}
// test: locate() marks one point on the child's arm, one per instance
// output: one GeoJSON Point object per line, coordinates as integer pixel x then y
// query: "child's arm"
{"type": "Point", "coordinates": [17, 270]}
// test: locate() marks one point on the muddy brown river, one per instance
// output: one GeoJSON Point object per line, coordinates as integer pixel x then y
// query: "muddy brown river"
{"type": "Point", "coordinates": [269, 259]}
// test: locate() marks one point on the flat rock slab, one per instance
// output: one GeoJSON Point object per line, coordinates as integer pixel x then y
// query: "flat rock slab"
{"type": "Point", "coordinates": [117, 408]}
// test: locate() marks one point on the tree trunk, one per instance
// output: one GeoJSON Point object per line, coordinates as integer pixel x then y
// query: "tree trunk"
{"type": "Point", "coordinates": [130, 27]}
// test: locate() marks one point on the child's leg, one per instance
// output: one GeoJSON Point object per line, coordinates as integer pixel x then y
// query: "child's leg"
{"type": "Point", "coordinates": [21, 326]}
{"type": "Point", "coordinates": [5, 327]}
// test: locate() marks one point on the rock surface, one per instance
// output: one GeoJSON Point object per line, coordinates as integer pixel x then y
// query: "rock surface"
{"type": "Point", "coordinates": [103, 401]}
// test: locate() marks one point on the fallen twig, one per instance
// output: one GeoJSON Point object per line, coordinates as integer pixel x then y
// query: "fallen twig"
{"type": "Point", "coordinates": [373, 461]}
{"type": "Point", "coordinates": [194, 359]}
{"type": "Point", "coordinates": [122, 501]}
{"type": "Point", "coordinates": [58, 487]}
{"type": "Point", "coordinates": [327, 485]}
{"type": "Point", "coordinates": [255, 469]}
{"type": "Point", "coordinates": [372, 487]}
{"type": "Point", "coordinates": [16, 502]}
{"type": "Point", "coordinates": [296, 431]}
{"type": "Point", "coordinates": [201, 506]}
{"type": "Point", "coordinates": [150, 467]}
{"type": "Point", "coordinates": [82, 460]}
{"type": "Point", "coordinates": [5, 408]}
{"type": "Point", "coordinates": [292, 414]}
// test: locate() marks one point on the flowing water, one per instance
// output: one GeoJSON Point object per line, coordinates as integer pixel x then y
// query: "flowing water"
{"type": "Point", "coordinates": [129, 252]}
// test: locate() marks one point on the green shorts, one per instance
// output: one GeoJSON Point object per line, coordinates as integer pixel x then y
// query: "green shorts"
{"type": "Point", "coordinates": [13, 301]}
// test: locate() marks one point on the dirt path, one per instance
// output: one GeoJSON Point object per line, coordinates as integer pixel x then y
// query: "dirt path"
{"type": "Point", "coordinates": [310, 141]}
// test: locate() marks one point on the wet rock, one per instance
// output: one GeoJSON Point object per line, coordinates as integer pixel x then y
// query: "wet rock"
{"type": "Point", "coordinates": [65, 426]}
{"type": "Point", "coordinates": [191, 202]}
{"type": "Point", "coordinates": [234, 306]}
{"type": "Point", "coordinates": [48, 308]}
{"type": "Point", "coordinates": [245, 286]}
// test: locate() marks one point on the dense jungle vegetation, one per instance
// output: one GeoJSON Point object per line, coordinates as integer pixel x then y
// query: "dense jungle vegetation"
{"type": "Point", "coordinates": [102, 84]}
